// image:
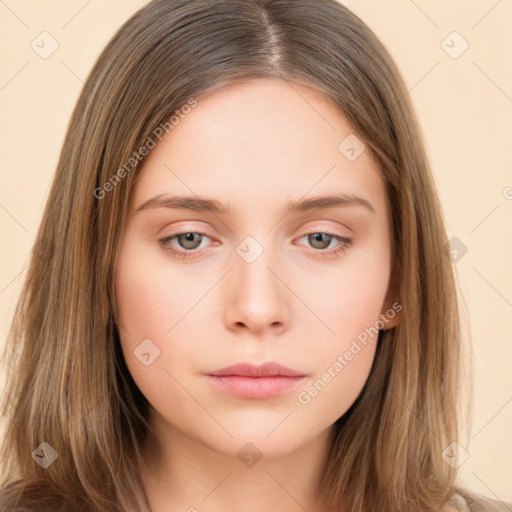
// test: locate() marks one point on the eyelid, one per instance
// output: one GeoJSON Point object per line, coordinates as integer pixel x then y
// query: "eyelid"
{"type": "Point", "coordinates": [181, 229]}
{"type": "Point", "coordinates": [184, 231]}
{"type": "Point", "coordinates": [337, 232]}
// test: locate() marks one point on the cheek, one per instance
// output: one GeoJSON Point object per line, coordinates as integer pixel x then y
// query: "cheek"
{"type": "Point", "coordinates": [349, 305]}
{"type": "Point", "coordinates": [348, 300]}
{"type": "Point", "coordinates": [338, 384]}
{"type": "Point", "coordinates": [156, 316]}
{"type": "Point", "coordinates": [151, 297]}
{"type": "Point", "coordinates": [342, 361]}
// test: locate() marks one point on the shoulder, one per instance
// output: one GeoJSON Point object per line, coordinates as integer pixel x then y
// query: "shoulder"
{"type": "Point", "coordinates": [468, 501]}
{"type": "Point", "coordinates": [484, 504]}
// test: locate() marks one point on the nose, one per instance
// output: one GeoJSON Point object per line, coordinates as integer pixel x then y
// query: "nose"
{"type": "Point", "coordinates": [255, 296]}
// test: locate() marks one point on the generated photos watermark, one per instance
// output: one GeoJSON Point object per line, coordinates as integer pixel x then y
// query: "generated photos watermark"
{"type": "Point", "coordinates": [149, 144]}
{"type": "Point", "coordinates": [304, 397]}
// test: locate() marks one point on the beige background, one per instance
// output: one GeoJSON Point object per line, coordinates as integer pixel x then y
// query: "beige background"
{"type": "Point", "coordinates": [464, 106]}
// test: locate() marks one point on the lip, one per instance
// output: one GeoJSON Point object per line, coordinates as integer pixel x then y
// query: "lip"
{"type": "Point", "coordinates": [250, 370]}
{"type": "Point", "coordinates": [250, 381]}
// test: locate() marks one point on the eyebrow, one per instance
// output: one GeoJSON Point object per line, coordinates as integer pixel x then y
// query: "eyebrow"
{"type": "Point", "coordinates": [197, 203]}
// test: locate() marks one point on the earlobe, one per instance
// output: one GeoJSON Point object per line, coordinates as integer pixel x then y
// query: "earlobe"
{"type": "Point", "coordinates": [391, 315]}
{"type": "Point", "coordinates": [391, 312]}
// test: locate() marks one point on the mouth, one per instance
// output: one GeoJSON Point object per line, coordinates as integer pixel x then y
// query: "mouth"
{"type": "Point", "coordinates": [250, 381]}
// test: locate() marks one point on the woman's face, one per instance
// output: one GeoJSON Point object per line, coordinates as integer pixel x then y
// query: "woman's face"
{"type": "Point", "coordinates": [265, 273]}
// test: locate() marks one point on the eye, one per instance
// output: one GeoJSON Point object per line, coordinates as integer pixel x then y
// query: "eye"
{"type": "Point", "coordinates": [187, 243]}
{"type": "Point", "coordinates": [321, 240]}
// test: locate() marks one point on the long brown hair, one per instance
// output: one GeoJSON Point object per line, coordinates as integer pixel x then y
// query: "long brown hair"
{"type": "Point", "coordinates": [68, 385]}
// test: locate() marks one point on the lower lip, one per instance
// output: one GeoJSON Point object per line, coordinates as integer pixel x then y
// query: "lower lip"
{"type": "Point", "coordinates": [254, 387]}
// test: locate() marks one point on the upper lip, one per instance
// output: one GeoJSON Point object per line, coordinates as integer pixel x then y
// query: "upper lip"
{"type": "Point", "coordinates": [250, 370]}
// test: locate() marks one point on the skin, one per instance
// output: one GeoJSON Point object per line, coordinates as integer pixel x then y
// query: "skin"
{"type": "Point", "coordinates": [253, 146]}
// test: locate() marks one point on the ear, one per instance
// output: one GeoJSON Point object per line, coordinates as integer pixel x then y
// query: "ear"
{"type": "Point", "coordinates": [391, 312]}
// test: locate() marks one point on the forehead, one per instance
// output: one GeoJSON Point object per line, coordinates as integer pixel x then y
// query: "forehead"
{"type": "Point", "coordinates": [261, 140]}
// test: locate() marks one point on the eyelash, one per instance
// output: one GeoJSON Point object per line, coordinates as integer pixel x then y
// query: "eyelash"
{"type": "Point", "coordinates": [345, 244]}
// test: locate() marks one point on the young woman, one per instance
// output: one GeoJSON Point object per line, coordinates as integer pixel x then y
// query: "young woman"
{"type": "Point", "coordinates": [240, 297]}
